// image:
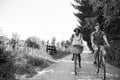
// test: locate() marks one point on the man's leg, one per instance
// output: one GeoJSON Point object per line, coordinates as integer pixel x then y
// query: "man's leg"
{"type": "Point", "coordinates": [103, 50]}
{"type": "Point", "coordinates": [95, 54]}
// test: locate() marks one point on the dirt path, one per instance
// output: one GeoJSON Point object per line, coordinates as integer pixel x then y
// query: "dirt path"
{"type": "Point", "coordinates": [64, 70]}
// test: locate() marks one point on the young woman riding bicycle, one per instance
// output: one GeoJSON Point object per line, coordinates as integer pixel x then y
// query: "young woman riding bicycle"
{"type": "Point", "coordinates": [77, 44]}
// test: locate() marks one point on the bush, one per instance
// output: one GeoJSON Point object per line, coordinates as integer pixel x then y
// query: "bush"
{"type": "Point", "coordinates": [33, 42]}
{"type": "Point", "coordinates": [7, 68]}
{"type": "Point", "coordinates": [113, 54]}
{"type": "Point", "coordinates": [38, 62]}
{"type": "Point", "coordinates": [21, 60]}
{"type": "Point", "coordinates": [7, 71]}
{"type": "Point", "coordinates": [27, 69]}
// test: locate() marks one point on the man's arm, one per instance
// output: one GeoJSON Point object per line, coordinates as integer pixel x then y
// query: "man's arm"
{"type": "Point", "coordinates": [105, 39]}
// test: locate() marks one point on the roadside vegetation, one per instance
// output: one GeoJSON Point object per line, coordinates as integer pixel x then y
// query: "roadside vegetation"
{"type": "Point", "coordinates": [22, 59]}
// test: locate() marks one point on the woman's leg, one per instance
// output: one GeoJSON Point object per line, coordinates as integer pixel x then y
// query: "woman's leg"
{"type": "Point", "coordinates": [81, 48]}
{"type": "Point", "coordinates": [73, 57]}
{"type": "Point", "coordinates": [79, 60]}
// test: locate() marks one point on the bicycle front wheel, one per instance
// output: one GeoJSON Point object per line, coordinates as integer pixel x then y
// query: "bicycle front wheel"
{"type": "Point", "coordinates": [104, 68]}
{"type": "Point", "coordinates": [104, 73]}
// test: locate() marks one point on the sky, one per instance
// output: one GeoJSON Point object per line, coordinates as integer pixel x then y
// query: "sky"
{"type": "Point", "coordinates": [41, 18]}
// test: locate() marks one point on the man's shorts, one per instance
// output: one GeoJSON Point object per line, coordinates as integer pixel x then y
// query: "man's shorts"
{"type": "Point", "coordinates": [95, 47]}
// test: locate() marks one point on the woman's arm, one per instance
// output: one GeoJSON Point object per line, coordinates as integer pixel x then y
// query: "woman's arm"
{"type": "Point", "coordinates": [71, 39]}
{"type": "Point", "coordinates": [92, 39]}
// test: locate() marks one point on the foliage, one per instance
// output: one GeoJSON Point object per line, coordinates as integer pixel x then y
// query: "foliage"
{"type": "Point", "coordinates": [7, 69]}
{"type": "Point", "coordinates": [67, 43]}
{"type": "Point", "coordinates": [38, 61]}
{"type": "Point", "coordinates": [108, 14]}
{"type": "Point", "coordinates": [53, 41]}
{"type": "Point", "coordinates": [33, 42]}
{"type": "Point", "coordinates": [22, 60]}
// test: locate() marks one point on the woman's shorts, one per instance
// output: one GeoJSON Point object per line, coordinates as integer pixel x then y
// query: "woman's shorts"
{"type": "Point", "coordinates": [76, 49]}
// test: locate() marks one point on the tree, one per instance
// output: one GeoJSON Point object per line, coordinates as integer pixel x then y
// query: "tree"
{"type": "Point", "coordinates": [14, 40]}
{"type": "Point", "coordinates": [53, 41]}
{"type": "Point", "coordinates": [67, 43]}
{"type": "Point", "coordinates": [33, 42]}
{"type": "Point", "coordinates": [109, 16]}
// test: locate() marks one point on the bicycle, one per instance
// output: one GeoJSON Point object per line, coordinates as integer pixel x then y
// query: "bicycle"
{"type": "Point", "coordinates": [101, 62]}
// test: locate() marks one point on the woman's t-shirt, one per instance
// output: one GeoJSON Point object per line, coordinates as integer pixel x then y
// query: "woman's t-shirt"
{"type": "Point", "coordinates": [77, 40]}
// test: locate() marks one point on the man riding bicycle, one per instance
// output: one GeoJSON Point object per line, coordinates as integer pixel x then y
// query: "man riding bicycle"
{"type": "Point", "coordinates": [98, 39]}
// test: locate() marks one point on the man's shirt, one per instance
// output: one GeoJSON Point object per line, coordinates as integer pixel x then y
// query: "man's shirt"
{"type": "Point", "coordinates": [98, 37]}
